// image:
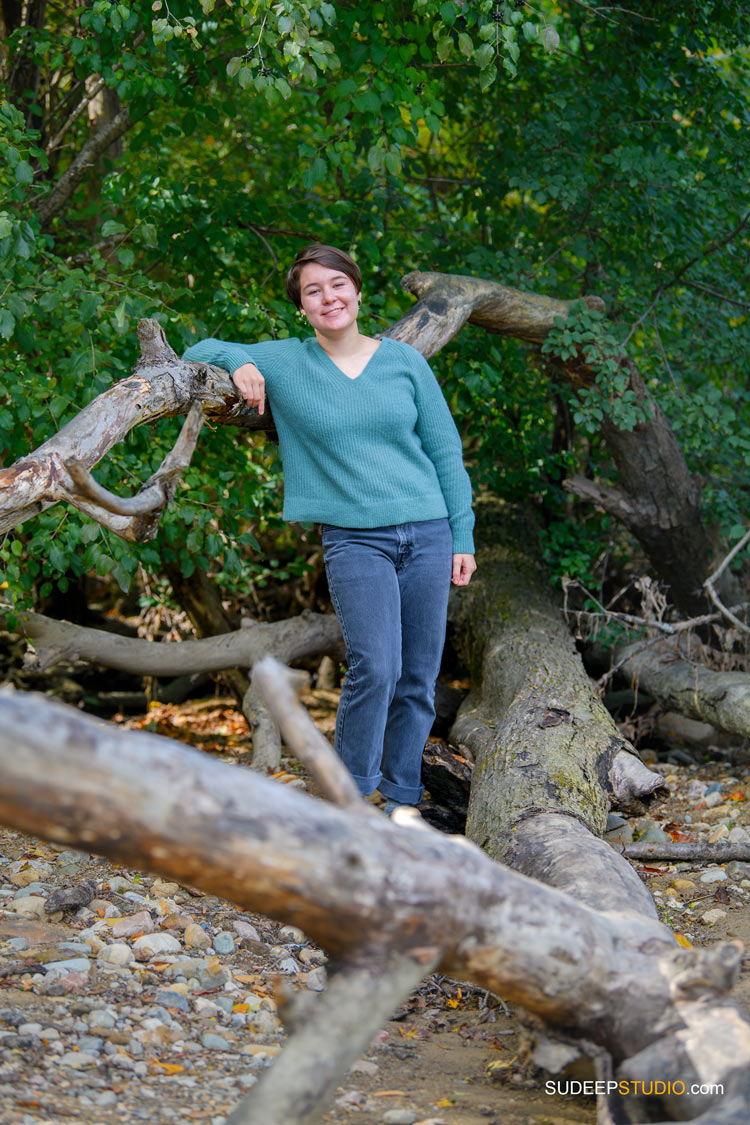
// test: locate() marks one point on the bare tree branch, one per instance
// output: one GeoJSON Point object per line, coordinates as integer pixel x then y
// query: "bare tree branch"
{"type": "Point", "coordinates": [49, 205]}
{"type": "Point", "coordinates": [272, 680]}
{"type": "Point", "coordinates": [288, 640]}
{"type": "Point", "coordinates": [162, 385]}
{"type": "Point", "coordinates": [157, 492]}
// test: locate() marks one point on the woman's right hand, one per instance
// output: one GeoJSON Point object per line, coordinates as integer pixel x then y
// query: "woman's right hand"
{"type": "Point", "coordinates": [251, 385]}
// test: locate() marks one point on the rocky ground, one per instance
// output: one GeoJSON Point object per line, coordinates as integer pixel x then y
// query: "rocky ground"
{"type": "Point", "coordinates": [125, 998]}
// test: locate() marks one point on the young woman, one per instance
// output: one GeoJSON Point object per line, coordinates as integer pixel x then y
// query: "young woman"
{"type": "Point", "coordinates": [370, 451]}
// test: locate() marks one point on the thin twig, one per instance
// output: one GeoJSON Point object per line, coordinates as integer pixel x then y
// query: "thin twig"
{"type": "Point", "coordinates": [715, 293]}
{"type": "Point", "coordinates": [710, 589]}
{"type": "Point", "coordinates": [729, 558]}
{"type": "Point", "coordinates": [74, 115]}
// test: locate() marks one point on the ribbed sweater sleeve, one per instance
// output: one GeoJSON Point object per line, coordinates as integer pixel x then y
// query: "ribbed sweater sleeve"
{"type": "Point", "coordinates": [442, 444]}
{"type": "Point", "coordinates": [229, 356]}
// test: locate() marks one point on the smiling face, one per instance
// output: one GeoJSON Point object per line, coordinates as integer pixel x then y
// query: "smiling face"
{"type": "Point", "coordinates": [329, 299]}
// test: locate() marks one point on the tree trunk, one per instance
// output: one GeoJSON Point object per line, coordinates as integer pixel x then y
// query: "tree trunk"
{"type": "Point", "coordinates": [20, 72]}
{"type": "Point", "coordinates": [657, 498]}
{"type": "Point", "coordinates": [397, 899]}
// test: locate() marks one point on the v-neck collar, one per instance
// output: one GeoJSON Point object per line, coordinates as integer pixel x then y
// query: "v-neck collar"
{"type": "Point", "coordinates": [333, 366]}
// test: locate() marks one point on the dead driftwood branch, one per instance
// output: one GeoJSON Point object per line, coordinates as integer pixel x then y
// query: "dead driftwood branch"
{"type": "Point", "coordinates": [677, 852]}
{"type": "Point", "coordinates": [304, 1078]}
{"type": "Point", "coordinates": [289, 640]}
{"type": "Point", "coordinates": [710, 584]}
{"type": "Point", "coordinates": [158, 491]}
{"type": "Point", "coordinates": [275, 685]}
{"type": "Point", "coordinates": [369, 890]}
{"type": "Point", "coordinates": [162, 385]}
{"type": "Point", "coordinates": [677, 684]}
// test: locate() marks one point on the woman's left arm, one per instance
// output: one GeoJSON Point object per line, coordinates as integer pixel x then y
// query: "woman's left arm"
{"type": "Point", "coordinates": [441, 442]}
{"type": "Point", "coordinates": [463, 568]}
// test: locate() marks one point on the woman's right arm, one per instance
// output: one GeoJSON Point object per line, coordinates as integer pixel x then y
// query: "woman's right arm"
{"type": "Point", "coordinates": [251, 385]}
{"type": "Point", "coordinates": [234, 358]}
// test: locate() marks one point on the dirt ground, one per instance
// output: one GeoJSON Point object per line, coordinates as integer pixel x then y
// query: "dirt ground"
{"type": "Point", "coordinates": [452, 1056]}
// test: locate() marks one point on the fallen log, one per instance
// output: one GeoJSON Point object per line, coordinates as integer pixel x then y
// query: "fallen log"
{"type": "Point", "coordinates": [289, 640]}
{"type": "Point", "coordinates": [541, 739]}
{"type": "Point", "coordinates": [677, 684]}
{"type": "Point", "coordinates": [679, 852]}
{"type": "Point", "coordinates": [373, 893]}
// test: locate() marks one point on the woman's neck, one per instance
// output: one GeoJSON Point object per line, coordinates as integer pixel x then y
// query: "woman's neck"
{"type": "Point", "coordinates": [348, 343]}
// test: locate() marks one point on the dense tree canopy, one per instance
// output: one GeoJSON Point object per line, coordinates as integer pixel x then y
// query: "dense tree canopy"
{"type": "Point", "coordinates": [168, 161]}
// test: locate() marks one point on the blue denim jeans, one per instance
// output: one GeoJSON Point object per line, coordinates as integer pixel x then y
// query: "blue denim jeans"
{"type": "Point", "coordinates": [389, 587]}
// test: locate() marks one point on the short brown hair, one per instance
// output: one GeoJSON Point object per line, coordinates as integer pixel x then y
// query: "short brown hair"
{"type": "Point", "coordinates": [328, 256]}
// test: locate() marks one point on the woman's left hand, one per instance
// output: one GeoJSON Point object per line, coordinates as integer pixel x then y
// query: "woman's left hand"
{"type": "Point", "coordinates": [463, 568]}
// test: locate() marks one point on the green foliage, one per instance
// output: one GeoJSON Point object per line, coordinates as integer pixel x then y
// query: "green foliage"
{"type": "Point", "coordinates": [584, 335]}
{"type": "Point", "coordinates": [428, 135]}
{"type": "Point", "coordinates": [574, 546]}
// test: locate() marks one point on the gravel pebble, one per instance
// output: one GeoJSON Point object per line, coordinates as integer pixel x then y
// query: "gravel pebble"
{"type": "Point", "coordinates": [150, 945]}
{"type": "Point", "coordinates": [713, 875]}
{"type": "Point", "coordinates": [116, 954]}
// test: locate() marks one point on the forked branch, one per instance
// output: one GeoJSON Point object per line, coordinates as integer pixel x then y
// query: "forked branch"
{"type": "Point", "coordinates": [143, 511]}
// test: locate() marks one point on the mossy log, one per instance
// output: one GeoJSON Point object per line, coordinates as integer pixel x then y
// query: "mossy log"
{"type": "Point", "coordinates": [542, 740]}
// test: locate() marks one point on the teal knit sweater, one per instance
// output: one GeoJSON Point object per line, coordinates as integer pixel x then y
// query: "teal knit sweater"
{"type": "Point", "coordinates": [373, 451]}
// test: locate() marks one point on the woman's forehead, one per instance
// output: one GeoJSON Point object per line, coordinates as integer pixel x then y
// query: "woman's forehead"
{"type": "Point", "coordinates": [316, 274]}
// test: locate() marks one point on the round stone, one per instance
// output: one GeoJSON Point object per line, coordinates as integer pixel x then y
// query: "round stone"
{"type": "Point", "coordinates": [196, 937]}
{"type": "Point", "coordinates": [150, 945]}
{"type": "Point", "coordinates": [116, 954]}
{"type": "Point", "coordinates": [223, 943]}
{"type": "Point", "coordinates": [714, 875]}
{"type": "Point", "coordinates": [214, 1042]}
